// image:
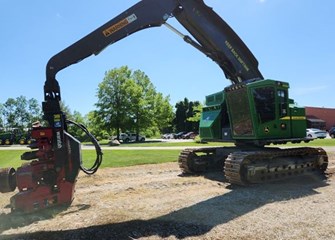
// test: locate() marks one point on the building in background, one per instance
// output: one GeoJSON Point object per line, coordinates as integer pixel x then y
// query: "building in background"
{"type": "Point", "coordinates": [322, 118]}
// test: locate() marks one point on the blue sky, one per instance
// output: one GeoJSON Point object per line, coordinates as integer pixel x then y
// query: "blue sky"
{"type": "Point", "coordinates": [293, 40]}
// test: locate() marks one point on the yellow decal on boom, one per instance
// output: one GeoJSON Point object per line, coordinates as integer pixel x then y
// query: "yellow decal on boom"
{"type": "Point", "coordinates": [237, 56]}
{"type": "Point", "coordinates": [116, 27]}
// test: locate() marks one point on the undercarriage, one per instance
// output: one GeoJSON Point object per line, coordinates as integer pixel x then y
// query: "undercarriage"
{"type": "Point", "coordinates": [244, 166]}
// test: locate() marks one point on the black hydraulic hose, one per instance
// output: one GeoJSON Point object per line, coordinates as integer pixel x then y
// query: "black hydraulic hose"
{"type": "Point", "coordinates": [98, 159]}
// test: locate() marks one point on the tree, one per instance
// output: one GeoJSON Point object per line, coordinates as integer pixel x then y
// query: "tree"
{"type": "Point", "coordinates": [20, 112]}
{"type": "Point", "coordinates": [129, 101]}
{"type": "Point", "coordinates": [197, 110]}
{"type": "Point", "coordinates": [9, 113]}
{"type": "Point", "coordinates": [95, 126]}
{"type": "Point", "coordinates": [114, 100]}
{"type": "Point", "coordinates": [152, 111]}
{"type": "Point", "coordinates": [163, 112]}
{"type": "Point", "coordinates": [34, 110]}
{"type": "Point", "coordinates": [185, 116]}
{"type": "Point", "coordinates": [180, 119]}
{"type": "Point", "coordinates": [143, 93]}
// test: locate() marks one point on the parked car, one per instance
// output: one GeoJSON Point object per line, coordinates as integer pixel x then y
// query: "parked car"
{"type": "Point", "coordinates": [179, 135]}
{"type": "Point", "coordinates": [189, 135]}
{"type": "Point", "coordinates": [129, 137]}
{"type": "Point", "coordinates": [315, 133]}
{"type": "Point", "coordinates": [332, 132]}
{"type": "Point", "coordinates": [168, 136]}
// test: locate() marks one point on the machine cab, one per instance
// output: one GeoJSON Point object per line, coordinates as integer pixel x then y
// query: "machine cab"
{"type": "Point", "coordinates": [263, 110]}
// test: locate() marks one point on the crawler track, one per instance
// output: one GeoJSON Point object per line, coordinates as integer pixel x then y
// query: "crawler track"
{"type": "Point", "coordinates": [196, 160]}
{"type": "Point", "coordinates": [243, 167]}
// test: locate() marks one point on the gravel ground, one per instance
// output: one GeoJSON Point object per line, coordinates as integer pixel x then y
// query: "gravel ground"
{"type": "Point", "coordinates": [155, 202]}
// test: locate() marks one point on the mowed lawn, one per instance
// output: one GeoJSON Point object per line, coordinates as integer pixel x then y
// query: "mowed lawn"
{"type": "Point", "coordinates": [122, 158]}
{"type": "Point", "coordinates": [316, 142]}
{"type": "Point", "coordinates": [128, 157]}
{"type": "Point", "coordinates": [111, 158]}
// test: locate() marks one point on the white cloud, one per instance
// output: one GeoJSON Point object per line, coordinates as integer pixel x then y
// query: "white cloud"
{"type": "Point", "coordinates": [262, 1]}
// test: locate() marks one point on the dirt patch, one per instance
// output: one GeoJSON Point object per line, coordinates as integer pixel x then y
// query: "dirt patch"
{"type": "Point", "coordinates": [154, 202]}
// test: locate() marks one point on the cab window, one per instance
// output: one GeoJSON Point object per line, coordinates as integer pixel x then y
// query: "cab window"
{"type": "Point", "coordinates": [264, 99]}
{"type": "Point", "coordinates": [282, 102]}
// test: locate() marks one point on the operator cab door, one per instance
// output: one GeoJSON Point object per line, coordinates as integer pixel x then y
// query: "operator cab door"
{"type": "Point", "coordinates": [271, 112]}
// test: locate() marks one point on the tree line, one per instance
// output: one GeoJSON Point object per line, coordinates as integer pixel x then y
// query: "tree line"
{"type": "Point", "coordinates": [127, 101]}
{"type": "Point", "coordinates": [19, 113]}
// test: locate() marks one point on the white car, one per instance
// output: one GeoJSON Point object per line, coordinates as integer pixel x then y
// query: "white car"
{"type": "Point", "coordinates": [315, 133]}
{"type": "Point", "coordinates": [168, 136]}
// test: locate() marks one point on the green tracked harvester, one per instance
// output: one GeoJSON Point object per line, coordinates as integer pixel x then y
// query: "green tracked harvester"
{"type": "Point", "coordinates": [252, 115]}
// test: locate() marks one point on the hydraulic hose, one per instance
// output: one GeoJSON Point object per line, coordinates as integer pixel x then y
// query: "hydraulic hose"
{"type": "Point", "coordinates": [98, 159]}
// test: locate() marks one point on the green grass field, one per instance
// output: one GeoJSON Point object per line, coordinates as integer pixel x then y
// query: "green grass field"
{"type": "Point", "coordinates": [115, 158]}
{"type": "Point", "coordinates": [317, 142]}
{"type": "Point", "coordinates": [10, 158]}
{"type": "Point", "coordinates": [119, 158]}
{"type": "Point", "coordinates": [122, 158]}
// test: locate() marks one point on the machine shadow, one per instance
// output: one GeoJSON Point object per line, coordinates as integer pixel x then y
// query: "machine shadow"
{"type": "Point", "coordinates": [197, 219]}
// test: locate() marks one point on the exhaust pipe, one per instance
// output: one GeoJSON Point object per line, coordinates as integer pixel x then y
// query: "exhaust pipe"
{"type": "Point", "coordinates": [7, 180]}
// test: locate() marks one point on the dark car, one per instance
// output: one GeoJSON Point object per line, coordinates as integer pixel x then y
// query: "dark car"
{"type": "Point", "coordinates": [332, 132]}
{"type": "Point", "coordinates": [179, 135]}
{"type": "Point", "coordinates": [189, 135]}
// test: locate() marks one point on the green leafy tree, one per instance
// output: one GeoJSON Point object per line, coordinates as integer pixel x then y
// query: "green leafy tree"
{"type": "Point", "coordinates": [197, 110]}
{"type": "Point", "coordinates": [20, 112]}
{"type": "Point", "coordinates": [34, 110]}
{"type": "Point", "coordinates": [185, 116]}
{"type": "Point", "coordinates": [151, 110]}
{"type": "Point", "coordinates": [164, 114]}
{"type": "Point", "coordinates": [143, 93]}
{"type": "Point", "coordinates": [180, 118]}
{"type": "Point", "coordinates": [114, 101]}
{"type": "Point", "coordinates": [9, 113]}
{"type": "Point", "coordinates": [95, 125]}
{"type": "Point", "coordinates": [128, 101]}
